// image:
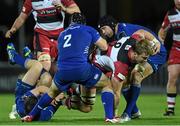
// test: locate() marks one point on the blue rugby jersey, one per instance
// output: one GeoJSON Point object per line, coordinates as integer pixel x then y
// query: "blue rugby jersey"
{"type": "Point", "coordinates": [73, 46]}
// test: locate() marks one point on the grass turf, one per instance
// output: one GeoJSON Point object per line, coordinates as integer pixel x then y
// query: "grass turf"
{"type": "Point", "coordinates": [151, 106]}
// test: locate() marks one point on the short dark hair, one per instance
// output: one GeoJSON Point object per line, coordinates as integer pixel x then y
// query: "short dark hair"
{"type": "Point", "coordinates": [29, 103]}
{"type": "Point", "coordinates": [78, 18]}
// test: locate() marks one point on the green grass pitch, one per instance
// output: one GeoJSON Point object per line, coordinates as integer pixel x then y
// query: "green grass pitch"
{"type": "Point", "coordinates": [151, 106]}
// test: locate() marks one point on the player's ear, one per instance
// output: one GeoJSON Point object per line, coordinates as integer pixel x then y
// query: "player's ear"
{"type": "Point", "coordinates": [135, 54]}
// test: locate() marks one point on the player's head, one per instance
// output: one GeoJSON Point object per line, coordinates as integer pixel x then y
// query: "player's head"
{"type": "Point", "coordinates": [77, 18]}
{"type": "Point", "coordinates": [177, 3]}
{"type": "Point", "coordinates": [142, 50]}
{"type": "Point", "coordinates": [29, 103]}
{"type": "Point", "coordinates": [107, 26]}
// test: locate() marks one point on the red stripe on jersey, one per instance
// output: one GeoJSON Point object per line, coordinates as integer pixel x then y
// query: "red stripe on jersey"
{"type": "Point", "coordinates": [44, 9]}
{"type": "Point", "coordinates": [111, 44]}
{"type": "Point", "coordinates": [166, 22]}
{"type": "Point", "coordinates": [67, 3]}
{"type": "Point", "coordinates": [27, 7]}
{"type": "Point", "coordinates": [50, 33]}
{"type": "Point", "coordinates": [44, 15]}
{"type": "Point", "coordinates": [171, 103]}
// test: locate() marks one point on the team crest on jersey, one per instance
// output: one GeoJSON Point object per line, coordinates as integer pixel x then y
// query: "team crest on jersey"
{"type": "Point", "coordinates": [96, 76]}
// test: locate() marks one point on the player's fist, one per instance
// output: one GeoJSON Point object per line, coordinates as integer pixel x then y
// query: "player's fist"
{"type": "Point", "coordinates": [58, 5]}
{"type": "Point", "coordinates": [10, 32]}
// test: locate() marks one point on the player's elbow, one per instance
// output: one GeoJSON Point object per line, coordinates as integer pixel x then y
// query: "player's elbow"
{"type": "Point", "coordinates": [104, 47]}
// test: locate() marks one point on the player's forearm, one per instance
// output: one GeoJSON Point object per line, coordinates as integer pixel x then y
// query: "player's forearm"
{"type": "Point", "coordinates": [145, 34]}
{"type": "Point", "coordinates": [102, 44]}
{"type": "Point", "coordinates": [19, 21]}
{"type": "Point", "coordinates": [72, 9]}
{"type": "Point", "coordinates": [162, 35]}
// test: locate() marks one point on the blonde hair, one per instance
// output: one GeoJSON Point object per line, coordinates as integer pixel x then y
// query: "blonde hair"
{"type": "Point", "coordinates": [143, 46]}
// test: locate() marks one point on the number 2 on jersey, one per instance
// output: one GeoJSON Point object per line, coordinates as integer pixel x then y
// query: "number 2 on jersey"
{"type": "Point", "coordinates": [67, 38]}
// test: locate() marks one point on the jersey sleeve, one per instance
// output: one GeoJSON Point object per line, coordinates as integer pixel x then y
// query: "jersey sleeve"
{"type": "Point", "coordinates": [95, 34]}
{"type": "Point", "coordinates": [67, 2]}
{"type": "Point", "coordinates": [166, 22]}
{"type": "Point", "coordinates": [27, 7]}
{"type": "Point", "coordinates": [129, 29]}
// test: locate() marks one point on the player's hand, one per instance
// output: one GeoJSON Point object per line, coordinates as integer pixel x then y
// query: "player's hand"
{"type": "Point", "coordinates": [58, 5]}
{"type": "Point", "coordinates": [10, 32]}
{"type": "Point", "coordinates": [155, 45]}
{"type": "Point", "coordinates": [157, 48]}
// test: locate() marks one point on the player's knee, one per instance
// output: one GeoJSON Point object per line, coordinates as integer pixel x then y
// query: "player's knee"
{"type": "Point", "coordinates": [45, 60]}
{"type": "Point", "coordinates": [89, 100]}
{"type": "Point", "coordinates": [172, 82]}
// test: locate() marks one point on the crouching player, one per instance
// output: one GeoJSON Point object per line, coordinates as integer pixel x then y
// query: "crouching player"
{"type": "Point", "coordinates": [111, 29]}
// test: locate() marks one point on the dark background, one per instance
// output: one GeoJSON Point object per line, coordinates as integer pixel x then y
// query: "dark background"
{"type": "Point", "coordinates": [149, 13]}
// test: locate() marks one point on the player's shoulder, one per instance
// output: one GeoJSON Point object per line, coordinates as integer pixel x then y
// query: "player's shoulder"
{"type": "Point", "coordinates": [172, 11]}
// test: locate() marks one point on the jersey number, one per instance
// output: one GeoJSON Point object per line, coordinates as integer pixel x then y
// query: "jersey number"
{"type": "Point", "coordinates": [67, 38]}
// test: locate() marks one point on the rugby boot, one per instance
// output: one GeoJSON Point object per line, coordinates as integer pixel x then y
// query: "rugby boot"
{"type": "Point", "coordinates": [124, 118]}
{"type": "Point", "coordinates": [27, 52]}
{"type": "Point", "coordinates": [169, 112]}
{"type": "Point", "coordinates": [114, 120]}
{"type": "Point", "coordinates": [11, 51]}
{"type": "Point", "coordinates": [136, 115]}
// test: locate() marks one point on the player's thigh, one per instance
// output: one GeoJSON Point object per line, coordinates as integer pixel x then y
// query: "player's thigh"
{"type": "Point", "coordinates": [53, 90]}
{"type": "Point", "coordinates": [103, 81]}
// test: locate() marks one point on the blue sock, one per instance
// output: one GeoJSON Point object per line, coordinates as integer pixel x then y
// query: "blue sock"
{"type": "Point", "coordinates": [22, 88]}
{"type": "Point", "coordinates": [44, 101]}
{"type": "Point", "coordinates": [126, 93]}
{"type": "Point", "coordinates": [135, 91]}
{"type": "Point", "coordinates": [47, 113]}
{"type": "Point", "coordinates": [108, 102]}
{"type": "Point", "coordinates": [135, 109]}
{"type": "Point", "coordinates": [19, 59]}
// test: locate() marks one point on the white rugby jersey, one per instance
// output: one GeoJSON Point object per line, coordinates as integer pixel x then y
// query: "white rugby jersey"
{"type": "Point", "coordinates": [49, 20]}
{"type": "Point", "coordinates": [172, 20]}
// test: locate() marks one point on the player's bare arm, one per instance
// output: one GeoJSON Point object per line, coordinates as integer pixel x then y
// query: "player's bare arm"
{"type": "Point", "coordinates": [17, 24]}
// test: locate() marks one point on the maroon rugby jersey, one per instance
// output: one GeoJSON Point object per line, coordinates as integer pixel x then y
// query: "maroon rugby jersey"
{"type": "Point", "coordinates": [49, 20]}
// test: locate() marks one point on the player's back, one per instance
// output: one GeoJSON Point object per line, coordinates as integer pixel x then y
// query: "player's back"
{"type": "Point", "coordinates": [73, 46]}
{"type": "Point", "coordinates": [126, 29]}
